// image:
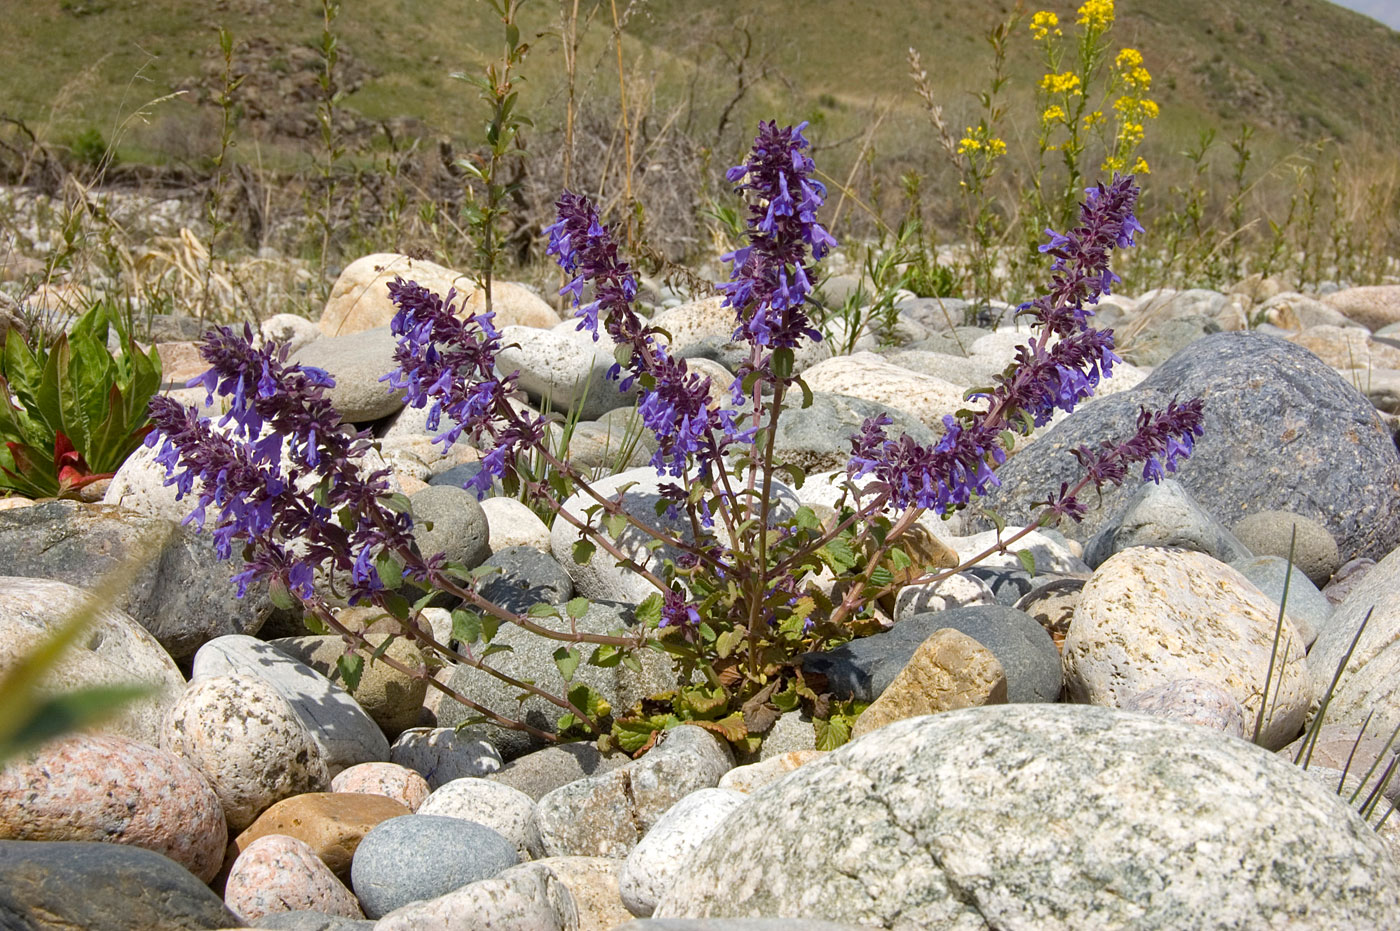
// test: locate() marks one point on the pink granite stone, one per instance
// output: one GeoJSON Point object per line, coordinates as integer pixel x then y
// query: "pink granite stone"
{"type": "Point", "coordinates": [390, 779]}
{"type": "Point", "coordinates": [278, 873]}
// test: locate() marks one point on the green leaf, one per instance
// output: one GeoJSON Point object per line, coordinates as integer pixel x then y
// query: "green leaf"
{"type": "Point", "coordinates": [806, 519]}
{"type": "Point", "coordinates": [606, 656]}
{"type": "Point", "coordinates": [490, 624]}
{"type": "Point", "coordinates": [567, 659]}
{"type": "Point", "coordinates": [496, 648]}
{"type": "Point", "coordinates": [62, 714]}
{"type": "Point", "coordinates": [390, 570]}
{"type": "Point", "coordinates": [1027, 560]}
{"type": "Point", "coordinates": [615, 524]}
{"type": "Point", "coordinates": [397, 605]}
{"type": "Point", "coordinates": [832, 732]}
{"type": "Point", "coordinates": [728, 641]}
{"type": "Point", "coordinates": [542, 610]}
{"type": "Point", "coordinates": [782, 362]}
{"type": "Point", "coordinates": [280, 595]}
{"type": "Point", "coordinates": [648, 613]}
{"type": "Point", "coordinates": [350, 666]}
{"type": "Point", "coordinates": [576, 608]}
{"type": "Point", "coordinates": [466, 626]}
{"type": "Point", "coordinates": [631, 662]}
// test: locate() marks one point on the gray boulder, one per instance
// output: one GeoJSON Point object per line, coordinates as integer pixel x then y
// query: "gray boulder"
{"type": "Point", "coordinates": [1045, 816]}
{"type": "Point", "coordinates": [356, 361]}
{"type": "Point", "coordinates": [1165, 514]}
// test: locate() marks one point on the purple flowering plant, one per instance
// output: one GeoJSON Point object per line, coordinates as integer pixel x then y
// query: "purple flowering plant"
{"type": "Point", "coordinates": [745, 579]}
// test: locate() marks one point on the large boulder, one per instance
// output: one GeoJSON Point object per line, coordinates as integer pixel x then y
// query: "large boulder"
{"type": "Point", "coordinates": [1282, 432]}
{"type": "Point", "coordinates": [180, 592]}
{"type": "Point", "coordinates": [1048, 817]}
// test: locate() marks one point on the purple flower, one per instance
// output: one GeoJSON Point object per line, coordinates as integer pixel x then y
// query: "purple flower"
{"type": "Point", "coordinates": [241, 474]}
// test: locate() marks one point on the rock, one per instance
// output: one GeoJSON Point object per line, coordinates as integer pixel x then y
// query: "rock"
{"type": "Point", "coordinates": [731, 924]}
{"type": "Point", "coordinates": [1308, 608]}
{"type": "Point", "coordinates": [359, 299]}
{"type": "Point", "coordinates": [527, 577]}
{"type": "Point", "coordinates": [949, 670]}
{"type": "Point", "coordinates": [1048, 548]}
{"type": "Point", "coordinates": [1151, 616]}
{"type": "Point", "coordinates": [1162, 339]}
{"type": "Point", "coordinates": [504, 810]}
{"type": "Point", "coordinates": [1103, 819]}
{"type": "Point", "coordinates": [393, 699]}
{"type": "Point", "coordinates": [522, 898]}
{"type": "Point", "coordinates": [356, 361]}
{"type": "Point", "coordinates": [661, 856]}
{"type": "Point", "coordinates": [601, 578]}
{"type": "Point", "coordinates": [417, 857]}
{"type": "Point", "coordinates": [511, 523]}
{"type": "Point", "coordinates": [541, 772]}
{"type": "Point", "coordinates": [938, 314]}
{"type": "Point", "coordinates": [303, 920]}
{"type": "Point", "coordinates": [1282, 432]}
{"type": "Point", "coordinates": [791, 733]}
{"type": "Point", "coordinates": [957, 591]}
{"type": "Point", "coordinates": [1371, 682]}
{"type": "Point", "coordinates": [561, 369]}
{"type": "Point", "coordinates": [1293, 311]}
{"type": "Point", "coordinates": [64, 885]}
{"type": "Point", "coordinates": [278, 873]}
{"type": "Point", "coordinates": [605, 815]}
{"type": "Point", "coordinates": [247, 741]}
{"type": "Point", "coordinates": [450, 521]}
{"type": "Point", "coordinates": [1193, 701]}
{"type": "Point", "coordinates": [1346, 578]}
{"type": "Point", "coordinates": [749, 779]}
{"type": "Point", "coordinates": [346, 734]}
{"type": "Point", "coordinates": [531, 658]}
{"type": "Point", "coordinates": [1164, 514]}
{"type": "Point", "coordinates": [1270, 533]}
{"type": "Point", "coordinates": [1346, 748]}
{"type": "Point", "coordinates": [118, 791]}
{"type": "Point", "coordinates": [113, 650]}
{"type": "Point", "coordinates": [289, 330]}
{"type": "Point", "coordinates": [1052, 605]}
{"type": "Point", "coordinates": [869, 377]}
{"type": "Point", "coordinates": [331, 824]}
{"type": "Point", "coordinates": [818, 438]}
{"type": "Point", "coordinates": [592, 884]}
{"type": "Point", "coordinates": [1256, 288]}
{"type": "Point", "coordinates": [864, 668]}
{"type": "Point", "coordinates": [441, 754]}
{"type": "Point", "coordinates": [183, 598]}
{"type": "Point", "coordinates": [949, 367]}
{"type": "Point", "coordinates": [1373, 307]}
{"type": "Point", "coordinates": [390, 780]}
{"type": "Point", "coordinates": [704, 330]}
{"type": "Point", "coordinates": [1347, 348]}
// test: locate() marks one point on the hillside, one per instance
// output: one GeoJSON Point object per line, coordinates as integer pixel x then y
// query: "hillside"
{"type": "Point", "coordinates": [1296, 70]}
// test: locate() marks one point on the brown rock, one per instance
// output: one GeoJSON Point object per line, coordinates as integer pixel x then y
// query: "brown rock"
{"type": "Point", "coordinates": [331, 823]}
{"type": "Point", "coordinates": [949, 670]}
{"type": "Point", "coordinates": [1372, 307]}
{"type": "Point", "coordinates": [115, 790]}
{"type": "Point", "coordinates": [359, 299]}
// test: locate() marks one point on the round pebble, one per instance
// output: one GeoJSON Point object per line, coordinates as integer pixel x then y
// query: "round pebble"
{"type": "Point", "coordinates": [278, 873]}
{"type": "Point", "coordinates": [422, 857]}
{"type": "Point", "coordinates": [399, 783]}
{"type": "Point", "coordinates": [505, 810]}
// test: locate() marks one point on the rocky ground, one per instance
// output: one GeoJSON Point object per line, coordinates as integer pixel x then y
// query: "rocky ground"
{"type": "Point", "coordinates": [1057, 750]}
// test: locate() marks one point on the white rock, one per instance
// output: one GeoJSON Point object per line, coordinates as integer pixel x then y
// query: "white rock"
{"type": "Point", "coordinates": [510, 522]}
{"type": "Point", "coordinates": [661, 856]}
{"type": "Point", "coordinates": [501, 808]}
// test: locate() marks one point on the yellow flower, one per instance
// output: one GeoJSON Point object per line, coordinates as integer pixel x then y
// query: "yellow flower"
{"type": "Point", "coordinates": [1131, 133]}
{"type": "Point", "coordinates": [968, 145]}
{"type": "Point", "coordinates": [995, 147]}
{"type": "Point", "coordinates": [1043, 24]}
{"type": "Point", "coordinates": [1112, 163]}
{"type": "Point", "coordinates": [1093, 119]}
{"type": "Point", "coordinates": [1150, 109]}
{"type": "Point", "coordinates": [1097, 15]}
{"type": "Point", "coordinates": [1066, 83]}
{"type": "Point", "coordinates": [1052, 114]}
{"type": "Point", "coordinates": [1128, 59]}
{"type": "Point", "coordinates": [1140, 167]}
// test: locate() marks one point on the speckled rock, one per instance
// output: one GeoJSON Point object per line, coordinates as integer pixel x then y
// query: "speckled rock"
{"type": "Point", "coordinates": [607, 814]}
{"type": "Point", "coordinates": [184, 598]}
{"type": "Point", "coordinates": [541, 772]}
{"type": "Point", "coordinates": [247, 741]}
{"type": "Point", "coordinates": [754, 776]}
{"type": "Point", "coordinates": [591, 883]}
{"type": "Point", "coordinates": [66, 885]}
{"type": "Point", "coordinates": [417, 857]}
{"type": "Point", "coordinates": [277, 873]}
{"type": "Point", "coordinates": [949, 670]}
{"type": "Point", "coordinates": [664, 853]}
{"type": "Point", "coordinates": [527, 577]}
{"type": "Point", "coordinates": [1308, 608]}
{"type": "Point", "coordinates": [869, 377]}
{"type": "Point", "coordinates": [332, 824]}
{"type": "Point", "coordinates": [704, 329]}
{"type": "Point", "coordinates": [511, 523]}
{"type": "Point", "coordinates": [113, 650]}
{"type": "Point", "coordinates": [1123, 821]}
{"type": "Point", "coordinates": [1151, 616]}
{"type": "Point", "coordinates": [732, 924]}
{"type": "Point", "coordinates": [818, 438]}
{"type": "Point", "coordinates": [532, 659]}
{"type": "Point", "coordinates": [1371, 682]}
{"type": "Point", "coordinates": [359, 299]}
{"type": "Point", "coordinates": [1373, 306]}
{"type": "Point", "coordinates": [1049, 548]}
{"type": "Point", "coordinates": [1164, 514]}
{"type": "Point", "coordinates": [306, 920]}
{"type": "Point", "coordinates": [392, 698]}
{"type": "Point", "coordinates": [289, 330]}
{"type": "Point", "coordinates": [1347, 578]}
{"type": "Point", "coordinates": [1193, 701]}
{"type": "Point", "coordinates": [390, 780]}
{"type": "Point", "coordinates": [1269, 533]}
{"type": "Point", "coordinates": [1282, 431]}
{"type": "Point", "coordinates": [563, 368]}
{"type": "Point", "coordinates": [1052, 605]}
{"type": "Point", "coordinates": [518, 899]}
{"type": "Point", "coordinates": [504, 810]}
{"type": "Point", "coordinates": [346, 734]}
{"type": "Point", "coordinates": [458, 524]}
{"type": "Point", "coordinates": [441, 754]}
{"type": "Point", "coordinates": [1363, 756]}
{"type": "Point", "coordinates": [115, 790]}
